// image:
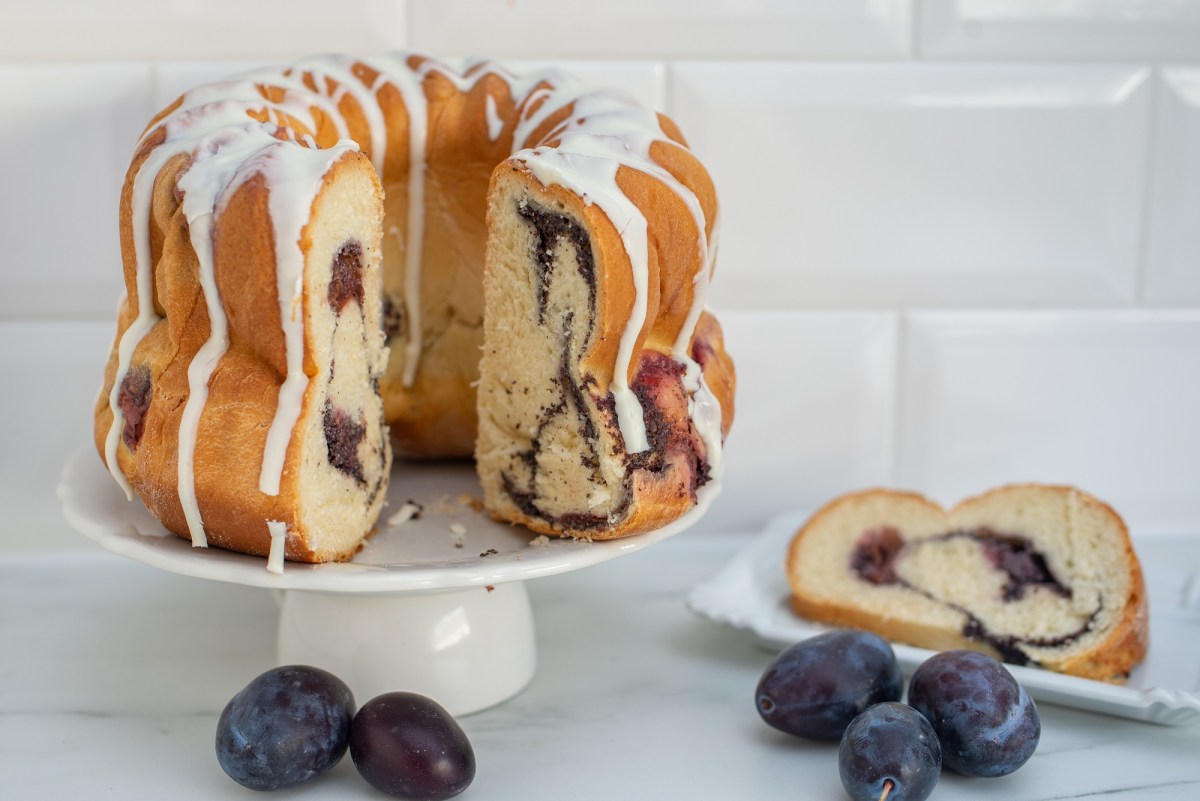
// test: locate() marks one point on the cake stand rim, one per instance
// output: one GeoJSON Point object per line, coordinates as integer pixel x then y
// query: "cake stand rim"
{"type": "Point", "coordinates": [83, 473]}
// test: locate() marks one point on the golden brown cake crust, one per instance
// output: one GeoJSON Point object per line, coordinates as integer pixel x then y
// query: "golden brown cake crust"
{"type": "Point", "coordinates": [1110, 660]}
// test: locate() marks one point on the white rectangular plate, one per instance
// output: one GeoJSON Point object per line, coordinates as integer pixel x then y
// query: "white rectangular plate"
{"type": "Point", "coordinates": [751, 593]}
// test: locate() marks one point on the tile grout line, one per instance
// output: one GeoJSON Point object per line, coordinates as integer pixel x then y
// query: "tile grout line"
{"type": "Point", "coordinates": [666, 86]}
{"type": "Point", "coordinates": [914, 33]}
{"type": "Point", "coordinates": [900, 328]}
{"type": "Point", "coordinates": [1149, 148]}
{"type": "Point", "coordinates": [406, 18]}
{"type": "Point", "coordinates": [152, 87]}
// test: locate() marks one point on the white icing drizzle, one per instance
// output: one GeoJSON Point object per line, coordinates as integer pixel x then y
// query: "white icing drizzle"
{"type": "Point", "coordinates": [215, 162]}
{"type": "Point", "coordinates": [340, 69]}
{"type": "Point", "coordinates": [589, 174]}
{"type": "Point", "coordinates": [411, 86]}
{"type": "Point", "coordinates": [201, 114]}
{"type": "Point", "coordinates": [212, 126]}
{"type": "Point", "coordinates": [700, 284]}
{"type": "Point", "coordinates": [494, 123]}
{"type": "Point", "coordinates": [147, 317]}
{"type": "Point", "coordinates": [278, 546]}
{"type": "Point", "coordinates": [705, 411]}
{"type": "Point", "coordinates": [604, 132]}
{"type": "Point", "coordinates": [295, 177]}
{"type": "Point", "coordinates": [607, 132]}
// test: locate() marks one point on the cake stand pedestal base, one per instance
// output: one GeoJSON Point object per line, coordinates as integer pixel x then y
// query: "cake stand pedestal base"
{"type": "Point", "coordinates": [467, 649]}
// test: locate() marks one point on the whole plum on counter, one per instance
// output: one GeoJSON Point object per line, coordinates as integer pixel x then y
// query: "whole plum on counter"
{"type": "Point", "coordinates": [890, 751]}
{"type": "Point", "coordinates": [817, 686]}
{"type": "Point", "coordinates": [287, 726]}
{"type": "Point", "coordinates": [408, 746]}
{"type": "Point", "coordinates": [987, 724]}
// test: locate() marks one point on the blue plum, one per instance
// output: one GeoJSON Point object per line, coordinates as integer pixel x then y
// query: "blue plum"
{"type": "Point", "coordinates": [285, 727]}
{"type": "Point", "coordinates": [985, 721]}
{"type": "Point", "coordinates": [889, 750]}
{"type": "Point", "coordinates": [817, 686]}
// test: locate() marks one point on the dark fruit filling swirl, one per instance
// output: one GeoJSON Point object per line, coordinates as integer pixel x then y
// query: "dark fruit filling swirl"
{"type": "Point", "coordinates": [880, 550]}
{"type": "Point", "coordinates": [346, 284]}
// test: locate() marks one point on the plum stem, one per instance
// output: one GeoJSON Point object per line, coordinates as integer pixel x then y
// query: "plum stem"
{"type": "Point", "coordinates": [888, 786]}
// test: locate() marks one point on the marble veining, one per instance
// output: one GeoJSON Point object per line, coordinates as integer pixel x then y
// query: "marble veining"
{"type": "Point", "coordinates": [112, 675]}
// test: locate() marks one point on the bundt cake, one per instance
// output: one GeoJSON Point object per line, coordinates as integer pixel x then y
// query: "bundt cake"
{"type": "Point", "coordinates": [1034, 574]}
{"type": "Point", "coordinates": [484, 264]}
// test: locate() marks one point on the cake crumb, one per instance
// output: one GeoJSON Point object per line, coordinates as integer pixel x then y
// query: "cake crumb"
{"type": "Point", "coordinates": [475, 504]}
{"type": "Point", "coordinates": [540, 541]}
{"type": "Point", "coordinates": [458, 534]}
{"type": "Point", "coordinates": [411, 510]}
{"type": "Point", "coordinates": [490, 587]}
{"type": "Point", "coordinates": [443, 506]}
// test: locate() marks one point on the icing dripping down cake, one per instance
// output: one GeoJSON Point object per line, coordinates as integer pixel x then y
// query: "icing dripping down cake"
{"type": "Point", "coordinates": [327, 260]}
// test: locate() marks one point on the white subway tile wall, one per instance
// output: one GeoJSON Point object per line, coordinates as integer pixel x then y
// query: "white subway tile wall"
{"type": "Point", "coordinates": [84, 30]}
{"type": "Point", "coordinates": [1053, 29]}
{"type": "Point", "coordinates": [1104, 400]}
{"type": "Point", "coordinates": [47, 422]}
{"type": "Point", "coordinates": [67, 137]}
{"type": "Point", "coordinates": [1173, 246]}
{"type": "Point", "coordinates": [922, 184]}
{"type": "Point", "coordinates": [644, 80]}
{"type": "Point", "coordinates": [961, 238]}
{"type": "Point", "coordinates": [664, 28]}
{"type": "Point", "coordinates": [815, 405]}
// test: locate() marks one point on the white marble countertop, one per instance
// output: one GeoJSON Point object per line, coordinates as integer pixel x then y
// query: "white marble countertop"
{"type": "Point", "coordinates": [112, 675]}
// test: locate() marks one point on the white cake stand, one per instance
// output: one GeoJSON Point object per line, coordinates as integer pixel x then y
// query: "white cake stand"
{"type": "Point", "coordinates": [435, 605]}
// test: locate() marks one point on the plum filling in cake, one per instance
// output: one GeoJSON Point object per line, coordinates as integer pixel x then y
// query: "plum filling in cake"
{"type": "Point", "coordinates": [702, 350]}
{"type": "Point", "coordinates": [874, 555]}
{"type": "Point", "coordinates": [671, 441]}
{"type": "Point", "coordinates": [562, 267]}
{"type": "Point", "coordinates": [1009, 646]}
{"type": "Point", "coordinates": [552, 450]}
{"type": "Point", "coordinates": [346, 283]}
{"type": "Point", "coordinates": [550, 227]}
{"type": "Point", "coordinates": [1005, 571]}
{"type": "Point", "coordinates": [343, 435]}
{"type": "Point", "coordinates": [1016, 557]}
{"type": "Point", "coordinates": [384, 463]}
{"type": "Point", "coordinates": [659, 386]}
{"type": "Point", "coordinates": [134, 399]}
{"type": "Point", "coordinates": [570, 405]}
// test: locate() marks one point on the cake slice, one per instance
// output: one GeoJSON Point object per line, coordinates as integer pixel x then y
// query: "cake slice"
{"type": "Point", "coordinates": [554, 449]}
{"type": "Point", "coordinates": [248, 417]}
{"type": "Point", "coordinates": [1033, 574]}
